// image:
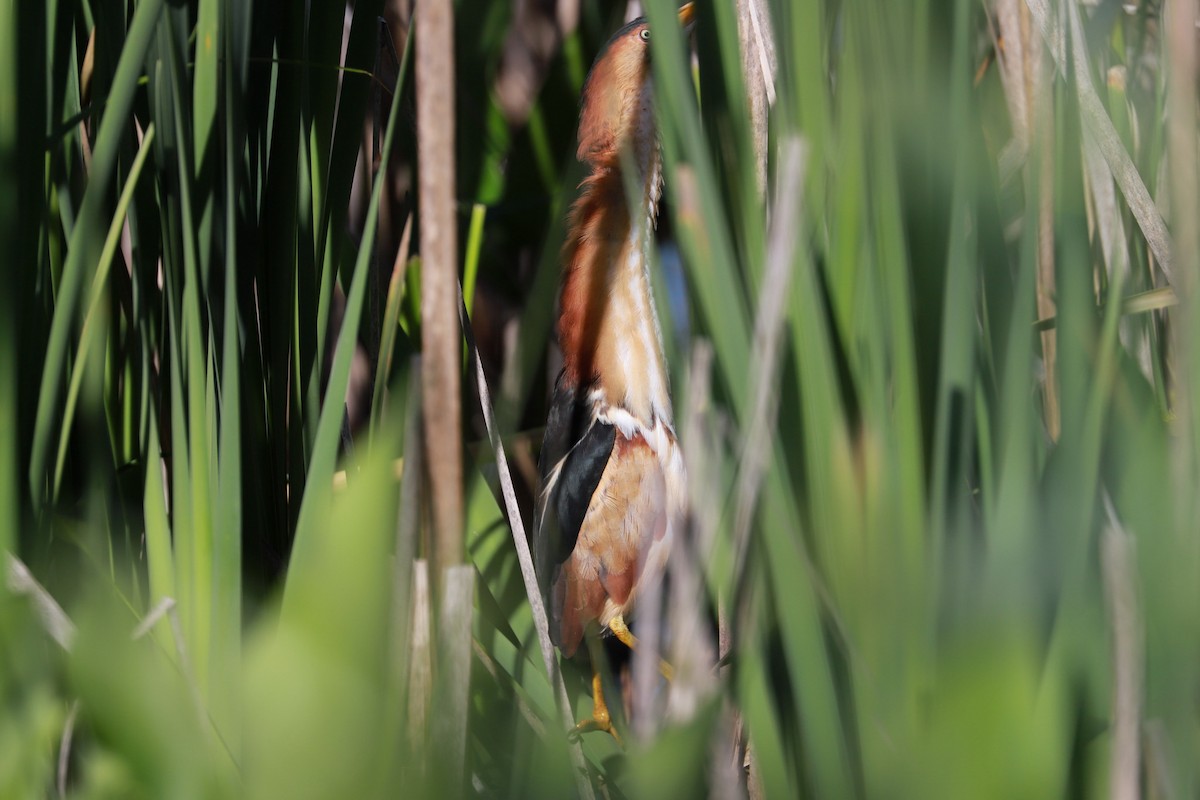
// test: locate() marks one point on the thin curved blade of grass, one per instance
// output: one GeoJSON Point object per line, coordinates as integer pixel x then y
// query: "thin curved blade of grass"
{"type": "Point", "coordinates": [726, 114]}
{"type": "Point", "coordinates": [959, 331]}
{"type": "Point", "coordinates": [369, 44]}
{"type": "Point", "coordinates": [309, 526]}
{"type": "Point", "coordinates": [805, 102]}
{"type": "Point", "coordinates": [99, 282]}
{"type": "Point", "coordinates": [1009, 509]}
{"type": "Point", "coordinates": [525, 558]}
{"type": "Point", "coordinates": [390, 328]}
{"type": "Point", "coordinates": [193, 357]}
{"type": "Point", "coordinates": [1140, 303]}
{"type": "Point", "coordinates": [19, 580]}
{"type": "Point", "coordinates": [160, 558]}
{"type": "Point", "coordinates": [1101, 125]}
{"type": "Point", "coordinates": [229, 512]}
{"type": "Point", "coordinates": [86, 238]}
{"type": "Point", "coordinates": [363, 55]}
{"type": "Point", "coordinates": [205, 91]}
{"type": "Point", "coordinates": [209, 37]}
{"type": "Point", "coordinates": [471, 257]}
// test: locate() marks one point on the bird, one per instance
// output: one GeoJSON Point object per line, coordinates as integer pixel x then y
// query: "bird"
{"type": "Point", "coordinates": [613, 484]}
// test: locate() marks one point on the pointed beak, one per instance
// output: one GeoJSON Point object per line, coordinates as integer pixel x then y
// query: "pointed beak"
{"type": "Point", "coordinates": [687, 17]}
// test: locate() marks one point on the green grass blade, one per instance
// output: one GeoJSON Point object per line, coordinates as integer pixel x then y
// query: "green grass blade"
{"type": "Point", "coordinates": [86, 239]}
{"type": "Point", "coordinates": [309, 527]}
{"type": "Point", "coordinates": [90, 316]}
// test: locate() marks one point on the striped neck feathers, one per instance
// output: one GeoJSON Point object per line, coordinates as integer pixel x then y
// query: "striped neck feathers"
{"type": "Point", "coordinates": [608, 325]}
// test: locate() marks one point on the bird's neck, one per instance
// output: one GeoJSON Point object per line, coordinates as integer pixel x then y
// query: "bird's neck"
{"type": "Point", "coordinates": [608, 326]}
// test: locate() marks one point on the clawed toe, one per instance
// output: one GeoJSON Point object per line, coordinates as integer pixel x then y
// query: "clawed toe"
{"type": "Point", "coordinates": [600, 720]}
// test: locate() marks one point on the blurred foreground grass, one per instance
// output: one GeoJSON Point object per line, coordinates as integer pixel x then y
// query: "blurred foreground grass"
{"type": "Point", "coordinates": [937, 380]}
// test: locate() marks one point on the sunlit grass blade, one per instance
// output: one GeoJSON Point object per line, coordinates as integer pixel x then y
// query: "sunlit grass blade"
{"type": "Point", "coordinates": [14, 131]}
{"type": "Point", "coordinates": [91, 313]}
{"type": "Point", "coordinates": [83, 252]}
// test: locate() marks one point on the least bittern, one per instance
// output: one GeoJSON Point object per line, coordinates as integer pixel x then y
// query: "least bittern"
{"type": "Point", "coordinates": [612, 474]}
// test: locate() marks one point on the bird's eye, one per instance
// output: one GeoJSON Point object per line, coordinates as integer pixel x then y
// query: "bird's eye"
{"type": "Point", "coordinates": [645, 34]}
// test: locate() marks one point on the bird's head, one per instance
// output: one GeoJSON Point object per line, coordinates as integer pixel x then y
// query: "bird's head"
{"type": "Point", "coordinates": [617, 106]}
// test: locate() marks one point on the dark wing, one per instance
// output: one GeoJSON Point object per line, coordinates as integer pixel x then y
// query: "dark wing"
{"type": "Point", "coordinates": [565, 425]}
{"type": "Point", "coordinates": [577, 482]}
{"type": "Point", "coordinates": [582, 446]}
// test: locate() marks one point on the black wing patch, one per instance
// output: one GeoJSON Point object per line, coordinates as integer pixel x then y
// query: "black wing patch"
{"type": "Point", "coordinates": [586, 445]}
{"type": "Point", "coordinates": [571, 433]}
{"type": "Point", "coordinates": [565, 425]}
{"type": "Point", "coordinates": [577, 482]}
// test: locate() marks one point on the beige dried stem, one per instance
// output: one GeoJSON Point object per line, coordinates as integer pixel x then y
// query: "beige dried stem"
{"type": "Point", "coordinates": [1025, 78]}
{"type": "Point", "coordinates": [782, 242]}
{"type": "Point", "coordinates": [454, 677]}
{"type": "Point", "coordinates": [409, 598]}
{"type": "Point", "coordinates": [64, 749]}
{"type": "Point", "coordinates": [704, 515]}
{"type": "Point", "coordinates": [49, 613]}
{"type": "Point", "coordinates": [1182, 64]}
{"type": "Point", "coordinates": [1109, 230]}
{"type": "Point", "coordinates": [1096, 119]}
{"type": "Point", "coordinates": [1118, 557]}
{"type": "Point", "coordinates": [420, 666]}
{"type": "Point", "coordinates": [757, 41]}
{"type": "Point", "coordinates": [441, 341]}
{"type": "Point", "coordinates": [756, 37]}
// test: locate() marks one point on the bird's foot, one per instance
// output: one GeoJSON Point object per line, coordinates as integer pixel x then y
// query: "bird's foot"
{"type": "Point", "coordinates": [600, 720]}
{"type": "Point", "coordinates": [598, 723]}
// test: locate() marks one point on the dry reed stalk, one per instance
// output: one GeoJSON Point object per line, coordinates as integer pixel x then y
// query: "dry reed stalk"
{"type": "Point", "coordinates": [420, 664]}
{"type": "Point", "coordinates": [47, 610]}
{"type": "Point", "coordinates": [1096, 118]}
{"type": "Point", "coordinates": [1180, 31]}
{"type": "Point", "coordinates": [453, 677]}
{"type": "Point", "coordinates": [440, 336]}
{"type": "Point", "coordinates": [759, 64]}
{"type": "Point", "coordinates": [1118, 559]}
{"type": "Point", "coordinates": [407, 534]}
{"type": "Point", "coordinates": [1025, 79]}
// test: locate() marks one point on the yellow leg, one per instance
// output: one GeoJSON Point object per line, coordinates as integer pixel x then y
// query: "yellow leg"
{"type": "Point", "coordinates": [601, 720]}
{"type": "Point", "coordinates": [621, 631]}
